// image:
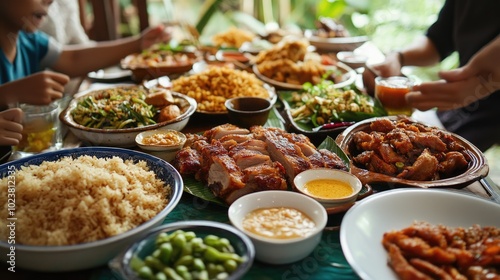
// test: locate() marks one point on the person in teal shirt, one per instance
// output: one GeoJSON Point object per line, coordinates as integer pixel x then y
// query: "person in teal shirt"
{"type": "Point", "coordinates": [34, 68]}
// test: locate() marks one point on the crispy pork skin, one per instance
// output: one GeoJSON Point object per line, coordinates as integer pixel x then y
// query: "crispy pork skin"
{"type": "Point", "coordinates": [234, 161]}
{"type": "Point", "coordinates": [187, 161]}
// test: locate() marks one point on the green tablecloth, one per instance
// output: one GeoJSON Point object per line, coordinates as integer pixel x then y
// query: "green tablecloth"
{"type": "Point", "coordinates": [325, 262]}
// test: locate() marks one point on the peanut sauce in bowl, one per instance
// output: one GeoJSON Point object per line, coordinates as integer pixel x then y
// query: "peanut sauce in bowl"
{"type": "Point", "coordinates": [279, 223]}
{"type": "Point", "coordinates": [284, 226]}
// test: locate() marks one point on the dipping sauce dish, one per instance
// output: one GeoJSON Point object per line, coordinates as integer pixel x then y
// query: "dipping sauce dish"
{"type": "Point", "coordinates": [330, 187]}
{"type": "Point", "coordinates": [280, 250]}
{"type": "Point", "coordinates": [248, 111]}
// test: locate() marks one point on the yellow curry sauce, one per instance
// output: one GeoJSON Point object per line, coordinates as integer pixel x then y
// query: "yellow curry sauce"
{"type": "Point", "coordinates": [278, 223]}
{"type": "Point", "coordinates": [328, 188]}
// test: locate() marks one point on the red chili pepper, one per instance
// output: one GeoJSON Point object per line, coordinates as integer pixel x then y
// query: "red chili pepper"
{"type": "Point", "coordinates": [333, 125]}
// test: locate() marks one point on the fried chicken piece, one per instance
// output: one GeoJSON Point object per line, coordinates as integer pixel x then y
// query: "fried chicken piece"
{"type": "Point", "coordinates": [423, 169]}
{"type": "Point", "coordinates": [454, 162]}
{"type": "Point", "coordinates": [426, 140]}
{"type": "Point", "coordinates": [430, 269]}
{"type": "Point", "coordinates": [400, 141]}
{"type": "Point", "coordinates": [401, 266]}
{"type": "Point", "coordinates": [382, 125]}
{"type": "Point", "coordinates": [367, 142]}
{"type": "Point", "coordinates": [388, 154]}
{"type": "Point", "coordinates": [378, 165]}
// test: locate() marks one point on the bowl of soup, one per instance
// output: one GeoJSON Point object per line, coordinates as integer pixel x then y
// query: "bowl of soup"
{"type": "Point", "coordinates": [284, 226]}
{"type": "Point", "coordinates": [330, 187]}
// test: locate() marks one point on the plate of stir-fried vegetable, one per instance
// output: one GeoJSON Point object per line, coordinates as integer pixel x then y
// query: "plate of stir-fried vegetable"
{"type": "Point", "coordinates": [114, 116]}
{"type": "Point", "coordinates": [324, 109]}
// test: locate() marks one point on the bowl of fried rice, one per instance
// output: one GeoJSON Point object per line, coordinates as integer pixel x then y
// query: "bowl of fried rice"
{"type": "Point", "coordinates": [78, 208]}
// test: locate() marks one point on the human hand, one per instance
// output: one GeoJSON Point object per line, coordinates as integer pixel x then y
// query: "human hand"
{"type": "Point", "coordinates": [153, 35]}
{"type": "Point", "coordinates": [391, 66]}
{"type": "Point", "coordinates": [11, 127]}
{"type": "Point", "coordinates": [40, 88]}
{"type": "Point", "coordinates": [446, 95]}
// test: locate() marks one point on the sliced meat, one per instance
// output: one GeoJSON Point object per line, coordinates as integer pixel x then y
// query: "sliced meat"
{"type": "Point", "coordinates": [222, 130]}
{"type": "Point", "coordinates": [187, 161]}
{"type": "Point", "coordinates": [224, 176]}
{"type": "Point", "coordinates": [332, 160]}
{"type": "Point", "coordinates": [282, 150]}
{"type": "Point", "coordinates": [246, 158]}
{"type": "Point", "coordinates": [324, 158]}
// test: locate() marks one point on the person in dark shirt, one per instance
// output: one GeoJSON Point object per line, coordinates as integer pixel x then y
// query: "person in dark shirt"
{"type": "Point", "coordinates": [468, 98]}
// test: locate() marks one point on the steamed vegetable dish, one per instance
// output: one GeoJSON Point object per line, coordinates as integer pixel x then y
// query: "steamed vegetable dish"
{"type": "Point", "coordinates": [125, 107]}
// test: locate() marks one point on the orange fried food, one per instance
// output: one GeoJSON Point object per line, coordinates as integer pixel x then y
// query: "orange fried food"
{"type": "Point", "coordinates": [409, 150]}
{"type": "Point", "coordinates": [425, 251]}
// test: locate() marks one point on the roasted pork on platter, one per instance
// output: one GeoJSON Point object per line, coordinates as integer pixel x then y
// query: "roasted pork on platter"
{"type": "Point", "coordinates": [234, 161]}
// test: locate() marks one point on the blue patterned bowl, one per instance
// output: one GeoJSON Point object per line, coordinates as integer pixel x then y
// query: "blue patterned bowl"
{"type": "Point", "coordinates": [96, 253]}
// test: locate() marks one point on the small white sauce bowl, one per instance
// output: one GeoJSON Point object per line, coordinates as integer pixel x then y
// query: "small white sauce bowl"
{"type": "Point", "coordinates": [280, 251]}
{"type": "Point", "coordinates": [165, 152]}
{"type": "Point", "coordinates": [304, 177]}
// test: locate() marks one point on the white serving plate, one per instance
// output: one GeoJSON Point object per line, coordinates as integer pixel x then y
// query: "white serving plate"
{"type": "Point", "coordinates": [364, 224]}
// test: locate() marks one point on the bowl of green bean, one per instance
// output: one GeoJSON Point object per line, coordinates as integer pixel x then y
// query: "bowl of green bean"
{"type": "Point", "coordinates": [187, 250]}
{"type": "Point", "coordinates": [115, 116]}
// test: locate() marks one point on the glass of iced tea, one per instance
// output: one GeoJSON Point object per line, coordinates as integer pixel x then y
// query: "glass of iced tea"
{"type": "Point", "coordinates": [391, 91]}
{"type": "Point", "coordinates": [39, 128]}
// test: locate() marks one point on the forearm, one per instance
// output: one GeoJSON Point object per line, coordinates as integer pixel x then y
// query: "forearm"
{"type": "Point", "coordinates": [77, 61]}
{"type": "Point", "coordinates": [6, 96]}
{"type": "Point", "coordinates": [486, 63]}
{"type": "Point", "coordinates": [421, 53]}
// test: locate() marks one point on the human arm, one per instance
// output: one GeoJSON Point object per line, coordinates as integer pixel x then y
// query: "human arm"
{"type": "Point", "coordinates": [79, 60]}
{"type": "Point", "coordinates": [11, 127]}
{"type": "Point", "coordinates": [460, 87]}
{"type": "Point", "coordinates": [421, 53]}
{"type": "Point", "coordinates": [38, 89]}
